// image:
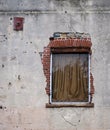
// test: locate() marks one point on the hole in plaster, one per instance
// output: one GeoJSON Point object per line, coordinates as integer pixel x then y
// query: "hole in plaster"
{"type": "Point", "coordinates": [1, 107]}
{"type": "Point", "coordinates": [3, 65]}
{"type": "Point", "coordinates": [41, 54]}
{"type": "Point", "coordinates": [9, 83]}
{"type": "Point", "coordinates": [11, 18]}
{"type": "Point", "coordinates": [19, 77]}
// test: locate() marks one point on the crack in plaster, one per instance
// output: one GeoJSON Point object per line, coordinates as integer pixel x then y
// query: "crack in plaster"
{"type": "Point", "coordinates": [73, 124]}
{"type": "Point", "coordinates": [68, 121]}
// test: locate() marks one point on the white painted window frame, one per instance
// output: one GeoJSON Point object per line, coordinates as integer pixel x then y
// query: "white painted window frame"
{"type": "Point", "coordinates": [89, 97]}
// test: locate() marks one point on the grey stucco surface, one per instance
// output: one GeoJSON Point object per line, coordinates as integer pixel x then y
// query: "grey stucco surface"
{"type": "Point", "coordinates": [22, 81]}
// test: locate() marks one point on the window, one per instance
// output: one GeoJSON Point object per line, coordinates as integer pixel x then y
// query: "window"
{"type": "Point", "coordinates": [66, 65]}
{"type": "Point", "coordinates": [69, 78]}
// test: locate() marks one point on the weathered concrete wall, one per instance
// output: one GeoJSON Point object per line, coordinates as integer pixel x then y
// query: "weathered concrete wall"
{"type": "Point", "coordinates": [22, 82]}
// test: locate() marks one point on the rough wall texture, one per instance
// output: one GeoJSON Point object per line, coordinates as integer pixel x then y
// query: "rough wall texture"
{"type": "Point", "coordinates": [22, 81]}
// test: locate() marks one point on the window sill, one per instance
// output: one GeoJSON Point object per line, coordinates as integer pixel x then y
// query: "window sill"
{"type": "Point", "coordinates": [88, 105]}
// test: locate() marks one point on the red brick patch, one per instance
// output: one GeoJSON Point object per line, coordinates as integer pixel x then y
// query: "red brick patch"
{"type": "Point", "coordinates": [76, 44]}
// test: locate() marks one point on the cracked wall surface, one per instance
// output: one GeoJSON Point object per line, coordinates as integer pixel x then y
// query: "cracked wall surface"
{"type": "Point", "coordinates": [22, 81]}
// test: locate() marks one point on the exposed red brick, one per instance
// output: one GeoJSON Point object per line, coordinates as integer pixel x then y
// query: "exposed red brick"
{"type": "Point", "coordinates": [47, 90]}
{"type": "Point", "coordinates": [62, 42]}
